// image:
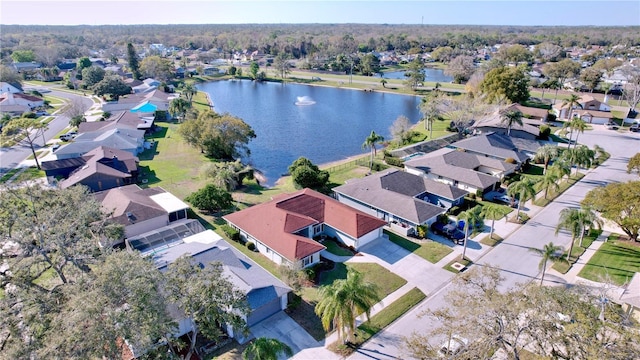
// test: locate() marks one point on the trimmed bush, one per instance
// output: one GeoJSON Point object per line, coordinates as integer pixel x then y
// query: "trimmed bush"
{"type": "Point", "coordinates": [251, 246]}
{"type": "Point", "coordinates": [394, 161]}
{"type": "Point", "coordinates": [545, 131]}
{"type": "Point", "coordinates": [232, 233]}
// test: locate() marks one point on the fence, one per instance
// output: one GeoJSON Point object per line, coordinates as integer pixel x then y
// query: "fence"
{"type": "Point", "coordinates": [361, 161]}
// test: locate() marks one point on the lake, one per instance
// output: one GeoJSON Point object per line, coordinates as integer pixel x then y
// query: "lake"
{"type": "Point", "coordinates": [333, 128]}
{"type": "Point", "coordinates": [431, 74]}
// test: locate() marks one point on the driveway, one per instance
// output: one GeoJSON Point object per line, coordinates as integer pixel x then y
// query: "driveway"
{"type": "Point", "coordinates": [281, 327]}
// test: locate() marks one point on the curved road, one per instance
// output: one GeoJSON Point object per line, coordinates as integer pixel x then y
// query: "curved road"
{"type": "Point", "coordinates": [518, 264]}
{"type": "Point", "coordinates": [11, 157]}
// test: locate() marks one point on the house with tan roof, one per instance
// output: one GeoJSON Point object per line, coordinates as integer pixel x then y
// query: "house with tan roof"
{"type": "Point", "coordinates": [18, 103]}
{"type": "Point", "coordinates": [591, 110]}
{"type": "Point", "coordinates": [284, 228]}
{"type": "Point", "coordinates": [141, 210]}
{"type": "Point", "coordinates": [402, 199]}
{"type": "Point", "coordinates": [470, 172]}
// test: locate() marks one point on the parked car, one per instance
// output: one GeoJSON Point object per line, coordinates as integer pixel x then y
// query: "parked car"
{"type": "Point", "coordinates": [41, 113]}
{"type": "Point", "coordinates": [55, 147]}
{"type": "Point", "coordinates": [68, 136]}
{"type": "Point", "coordinates": [612, 126]}
{"type": "Point", "coordinates": [635, 127]}
{"type": "Point", "coordinates": [453, 346]}
{"type": "Point", "coordinates": [507, 200]}
{"type": "Point", "coordinates": [449, 231]}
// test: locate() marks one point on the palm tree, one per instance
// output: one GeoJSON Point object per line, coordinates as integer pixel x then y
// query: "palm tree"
{"type": "Point", "coordinates": [562, 167]}
{"type": "Point", "coordinates": [472, 218]}
{"type": "Point", "coordinates": [572, 101]}
{"type": "Point", "coordinates": [583, 156]}
{"type": "Point", "coordinates": [523, 190]}
{"type": "Point", "coordinates": [587, 219]}
{"type": "Point", "coordinates": [178, 107]}
{"type": "Point", "coordinates": [370, 142]}
{"type": "Point", "coordinates": [579, 126]}
{"type": "Point", "coordinates": [493, 213]}
{"type": "Point", "coordinates": [510, 118]}
{"type": "Point", "coordinates": [548, 252]}
{"type": "Point", "coordinates": [570, 221]}
{"type": "Point", "coordinates": [266, 349]}
{"type": "Point", "coordinates": [188, 90]}
{"type": "Point", "coordinates": [546, 153]}
{"type": "Point", "coordinates": [342, 301]}
{"type": "Point", "coordinates": [384, 83]}
{"type": "Point", "coordinates": [549, 180]}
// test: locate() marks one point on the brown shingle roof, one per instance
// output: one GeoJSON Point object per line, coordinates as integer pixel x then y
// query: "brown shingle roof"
{"type": "Point", "coordinates": [274, 223]}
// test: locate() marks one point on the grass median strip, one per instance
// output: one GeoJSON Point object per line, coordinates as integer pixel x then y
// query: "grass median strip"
{"type": "Point", "coordinates": [381, 320]}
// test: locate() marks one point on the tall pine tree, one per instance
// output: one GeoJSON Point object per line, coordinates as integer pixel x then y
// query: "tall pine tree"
{"type": "Point", "coordinates": [134, 62]}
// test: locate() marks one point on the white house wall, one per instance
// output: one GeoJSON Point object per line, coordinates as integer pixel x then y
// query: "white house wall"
{"type": "Point", "coordinates": [344, 238]}
{"type": "Point", "coordinates": [262, 248]}
{"type": "Point", "coordinates": [367, 238]}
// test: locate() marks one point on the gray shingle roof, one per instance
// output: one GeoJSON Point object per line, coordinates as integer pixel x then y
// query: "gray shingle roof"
{"type": "Point", "coordinates": [394, 192]}
{"type": "Point", "coordinates": [498, 145]}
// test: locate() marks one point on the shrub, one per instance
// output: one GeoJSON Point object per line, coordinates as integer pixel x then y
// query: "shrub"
{"type": "Point", "coordinates": [379, 166]}
{"type": "Point", "coordinates": [422, 231]}
{"type": "Point", "coordinates": [479, 193]}
{"type": "Point", "coordinates": [29, 115]}
{"type": "Point", "coordinates": [545, 131]}
{"type": "Point", "coordinates": [394, 161]}
{"type": "Point", "coordinates": [443, 218]}
{"type": "Point", "coordinates": [251, 246]}
{"type": "Point", "coordinates": [551, 117]}
{"type": "Point", "coordinates": [232, 233]}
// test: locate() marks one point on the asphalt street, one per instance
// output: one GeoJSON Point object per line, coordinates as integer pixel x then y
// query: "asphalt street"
{"type": "Point", "coordinates": [518, 264]}
{"type": "Point", "coordinates": [13, 156]}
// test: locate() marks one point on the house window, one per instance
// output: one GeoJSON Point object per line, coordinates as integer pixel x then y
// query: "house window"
{"type": "Point", "coordinates": [317, 229]}
{"type": "Point", "coordinates": [307, 260]}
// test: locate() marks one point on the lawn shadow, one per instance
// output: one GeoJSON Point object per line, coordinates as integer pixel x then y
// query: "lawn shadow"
{"type": "Point", "coordinates": [149, 154]}
{"type": "Point", "coordinates": [147, 176]}
{"type": "Point", "coordinates": [302, 312]}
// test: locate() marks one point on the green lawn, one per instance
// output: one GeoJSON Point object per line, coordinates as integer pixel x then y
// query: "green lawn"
{"type": "Point", "coordinates": [8, 175]}
{"type": "Point", "coordinates": [491, 241]}
{"type": "Point", "coordinates": [334, 248]}
{"type": "Point", "coordinates": [617, 259]}
{"type": "Point", "coordinates": [381, 320]}
{"type": "Point", "coordinates": [430, 250]}
{"type": "Point", "coordinates": [577, 251]}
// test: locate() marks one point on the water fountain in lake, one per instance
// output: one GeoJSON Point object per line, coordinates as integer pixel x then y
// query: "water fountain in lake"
{"type": "Point", "coordinates": [304, 100]}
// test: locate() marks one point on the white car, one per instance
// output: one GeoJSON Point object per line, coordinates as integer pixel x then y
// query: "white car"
{"type": "Point", "coordinates": [452, 347]}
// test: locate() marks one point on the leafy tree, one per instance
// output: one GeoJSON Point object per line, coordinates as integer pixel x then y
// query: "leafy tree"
{"type": "Point", "coordinates": [218, 136]}
{"type": "Point", "coordinates": [178, 107]}
{"type": "Point", "coordinates": [76, 120]}
{"type": "Point", "coordinates": [266, 349]}
{"type": "Point", "coordinates": [461, 110]}
{"type": "Point", "coordinates": [125, 294]}
{"type": "Point", "coordinates": [472, 219]}
{"type": "Point", "coordinates": [492, 212]}
{"type": "Point", "coordinates": [443, 54]}
{"type": "Point", "coordinates": [546, 153]}
{"type": "Point", "coordinates": [618, 202]}
{"type": "Point", "coordinates": [383, 82]}
{"type": "Point", "coordinates": [344, 300]}
{"type": "Point", "coordinates": [29, 130]}
{"type": "Point", "coordinates": [523, 190]}
{"type": "Point", "coordinates": [401, 130]}
{"type": "Point", "coordinates": [156, 67]}
{"type": "Point", "coordinates": [524, 317]}
{"type": "Point", "coordinates": [210, 198]}
{"type": "Point", "coordinates": [549, 252]}
{"type": "Point", "coordinates": [514, 54]}
{"type": "Point", "coordinates": [591, 78]}
{"type": "Point", "coordinates": [634, 164]}
{"type": "Point", "coordinates": [510, 118]}
{"type": "Point", "coordinates": [561, 71]}
{"type": "Point", "coordinates": [369, 65]}
{"type": "Point", "coordinates": [370, 142]}
{"type": "Point", "coordinates": [607, 65]}
{"type": "Point", "coordinates": [414, 73]}
{"type": "Point", "coordinates": [206, 297]}
{"type": "Point", "coordinates": [134, 61]}
{"type": "Point", "coordinates": [227, 175]}
{"type": "Point", "coordinates": [631, 90]}
{"type": "Point", "coordinates": [113, 86]}
{"type": "Point", "coordinates": [23, 56]}
{"type": "Point", "coordinates": [9, 75]}
{"type": "Point", "coordinates": [253, 69]}
{"type": "Point", "coordinates": [83, 63]}
{"type": "Point", "coordinates": [281, 64]}
{"type": "Point", "coordinates": [306, 174]}
{"type": "Point", "coordinates": [92, 75]}
{"type": "Point", "coordinates": [506, 83]}
{"type": "Point", "coordinates": [548, 51]}
{"type": "Point", "coordinates": [461, 68]}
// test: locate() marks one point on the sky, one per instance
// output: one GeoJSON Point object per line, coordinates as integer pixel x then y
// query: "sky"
{"type": "Point", "coordinates": [428, 12]}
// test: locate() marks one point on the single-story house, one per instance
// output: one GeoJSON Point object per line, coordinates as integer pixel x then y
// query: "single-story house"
{"type": "Point", "coordinates": [10, 87]}
{"type": "Point", "coordinates": [400, 198]}
{"type": "Point", "coordinates": [284, 228]}
{"type": "Point", "coordinates": [538, 115]}
{"type": "Point", "coordinates": [159, 99]}
{"type": "Point", "coordinates": [18, 103]}
{"type": "Point", "coordinates": [118, 138]}
{"type": "Point", "coordinates": [493, 123]}
{"type": "Point", "coordinates": [630, 298]}
{"type": "Point", "coordinates": [141, 210]}
{"type": "Point", "coordinates": [26, 66]}
{"type": "Point", "coordinates": [499, 146]}
{"type": "Point", "coordinates": [104, 168]}
{"type": "Point", "coordinates": [591, 110]}
{"type": "Point", "coordinates": [147, 85]}
{"type": "Point", "coordinates": [470, 172]}
{"type": "Point", "coordinates": [122, 120]}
